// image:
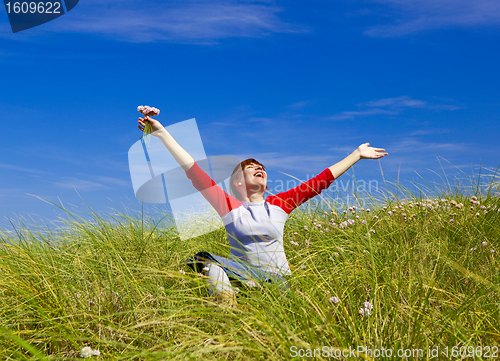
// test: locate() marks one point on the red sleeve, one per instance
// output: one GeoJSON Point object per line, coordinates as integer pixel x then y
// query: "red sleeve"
{"type": "Point", "coordinates": [222, 202]}
{"type": "Point", "coordinates": [293, 198]}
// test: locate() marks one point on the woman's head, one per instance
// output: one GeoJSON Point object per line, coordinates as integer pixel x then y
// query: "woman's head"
{"type": "Point", "coordinates": [244, 172]}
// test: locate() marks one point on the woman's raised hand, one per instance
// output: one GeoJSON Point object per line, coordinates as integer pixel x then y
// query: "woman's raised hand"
{"type": "Point", "coordinates": [155, 125]}
{"type": "Point", "coordinates": [367, 152]}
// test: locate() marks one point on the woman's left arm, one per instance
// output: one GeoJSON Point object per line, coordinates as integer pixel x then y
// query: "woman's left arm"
{"type": "Point", "coordinates": [364, 151]}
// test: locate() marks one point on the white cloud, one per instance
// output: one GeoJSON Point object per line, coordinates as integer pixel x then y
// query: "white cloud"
{"type": "Point", "coordinates": [114, 181]}
{"type": "Point", "coordinates": [21, 169]}
{"type": "Point", "coordinates": [201, 22]}
{"type": "Point", "coordinates": [360, 113]}
{"type": "Point", "coordinates": [390, 106]}
{"type": "Point", "coordinates": [9, 192]}
{"type": "Point", "coordinates": [100, 183]}
{"type": "Point", "coordinates": [429, 132]}
{"type": "Point", "coordinates": [420, 15]}
{"type": "Point", "coordinates": [399, 102]}
{"type": "Point", "coordinates": [79, 184]}
{"type": "Point", "coordinates": [300, 105]}
{"type": "Point", "coordinates": [412, 145]}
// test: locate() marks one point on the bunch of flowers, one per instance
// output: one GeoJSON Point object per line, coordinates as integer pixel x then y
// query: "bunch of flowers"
{"type": "Point", "coordinates": [147, 111]}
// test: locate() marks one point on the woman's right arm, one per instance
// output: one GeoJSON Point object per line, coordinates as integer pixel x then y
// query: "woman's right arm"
{"type": "Point", "coordinates": [181, 156]}
{"type": "Point", "coordinates": [219, 199]}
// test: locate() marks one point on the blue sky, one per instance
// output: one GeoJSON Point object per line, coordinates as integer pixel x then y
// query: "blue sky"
{"type": "Point", "coordinates": [296, 87]}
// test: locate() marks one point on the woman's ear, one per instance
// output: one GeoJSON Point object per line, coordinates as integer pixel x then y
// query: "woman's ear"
{"type": "Point", "coordinates": [238, 180]}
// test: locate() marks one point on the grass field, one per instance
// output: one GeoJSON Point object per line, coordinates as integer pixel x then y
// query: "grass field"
{"type": "Point", "coordinates": [425, 269]}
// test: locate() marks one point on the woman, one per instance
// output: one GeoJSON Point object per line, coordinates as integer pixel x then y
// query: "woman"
{"type": "Point", "coordinates": [254, 225]}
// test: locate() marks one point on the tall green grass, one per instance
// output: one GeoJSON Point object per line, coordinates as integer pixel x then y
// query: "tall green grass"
{"type": "Point", "coordinates": [119, 283]}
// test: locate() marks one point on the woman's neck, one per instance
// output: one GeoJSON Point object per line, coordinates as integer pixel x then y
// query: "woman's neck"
{"type": "Point", "coordinates": [256, 197]}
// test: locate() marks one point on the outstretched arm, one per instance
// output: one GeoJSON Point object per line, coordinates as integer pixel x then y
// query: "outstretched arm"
{"type": "Point", "coordinates": [364, 151]}
{"type": "Point", "coordinates": [222, 202]}
{"type": "Point", "coordinates": [181, 156]}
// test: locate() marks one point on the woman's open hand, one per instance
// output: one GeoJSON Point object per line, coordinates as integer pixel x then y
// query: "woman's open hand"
{"type": "Point", "coordinates": [367, 152]}
{"type": "Point", "coordinates": [155, 125]}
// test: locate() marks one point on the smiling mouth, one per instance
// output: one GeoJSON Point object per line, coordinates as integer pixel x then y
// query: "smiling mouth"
{"type": "Point", "coordinates": [259, 174]}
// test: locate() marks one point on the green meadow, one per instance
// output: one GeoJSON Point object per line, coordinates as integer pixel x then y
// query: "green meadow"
{"type": "Point", "coordinates": [408, 273]}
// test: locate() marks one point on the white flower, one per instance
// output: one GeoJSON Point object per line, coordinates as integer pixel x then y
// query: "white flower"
{"type": "Point", "coordinates": [251, 284]}
{"type": "Point", "coordinates": [86, 352]}
{"type": "Point", "coordinates": [206, 269]}
{"type": "Point", "coordinates": [364, 312]}
{"type": "Point", "coordinates": [182, 272]}
{"type": "Point", "coordinates": [334, 299]}
{"type": "Point", "coordinates": [96, 353]}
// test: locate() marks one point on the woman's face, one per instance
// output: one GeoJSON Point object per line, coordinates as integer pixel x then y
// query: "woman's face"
{"type": "Point", "coordinates": [255, 178]}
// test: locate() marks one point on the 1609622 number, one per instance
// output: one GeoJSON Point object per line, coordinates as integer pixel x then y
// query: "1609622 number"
{"type": "Point", "coordinates": [32, 7]}
{"type": "Point", "coordinates": [471, 351]}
